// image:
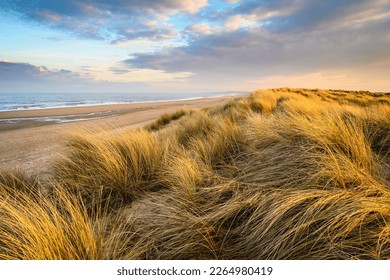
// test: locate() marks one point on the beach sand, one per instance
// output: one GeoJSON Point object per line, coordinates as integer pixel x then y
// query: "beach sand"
{"type": "Point", "coordinates": [32, 146]}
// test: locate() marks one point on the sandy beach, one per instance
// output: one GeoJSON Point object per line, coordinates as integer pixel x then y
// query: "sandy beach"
{"type": "Point", "coordinates": [31, 140]}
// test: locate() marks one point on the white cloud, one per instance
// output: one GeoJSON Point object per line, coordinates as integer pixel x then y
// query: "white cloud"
{"type": "Point", "coordinates": [192, 6]}
{"type": "Point", "coordinates": [240, 21]}
{"type": "Point", "coordinates": [203, 29]}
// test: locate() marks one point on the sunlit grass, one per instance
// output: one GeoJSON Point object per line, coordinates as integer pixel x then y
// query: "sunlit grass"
{"type": "Point", "coordinates": [281, 174]}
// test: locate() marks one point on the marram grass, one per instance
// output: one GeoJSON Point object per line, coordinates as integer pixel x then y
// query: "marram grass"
{"type": "Point", "coordinates": [281, 174]}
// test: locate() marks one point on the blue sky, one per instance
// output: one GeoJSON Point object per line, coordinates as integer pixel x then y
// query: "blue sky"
{"type": "Point", "coordinates": [193, 46]}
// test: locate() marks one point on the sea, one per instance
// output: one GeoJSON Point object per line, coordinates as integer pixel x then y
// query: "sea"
{"type": "Point", "coordinates": [31, 101]}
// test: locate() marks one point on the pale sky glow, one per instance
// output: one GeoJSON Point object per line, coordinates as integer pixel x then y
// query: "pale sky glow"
{"type": "Point", "coordinates": [192, 46]}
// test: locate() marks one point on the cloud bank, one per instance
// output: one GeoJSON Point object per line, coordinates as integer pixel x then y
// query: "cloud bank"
{"type": "Point", "coordinates": [287, 42]}
{"type": "Point", "coordinates": [106, 19]}
{"type": "Point", "coordinates": [224, 43]}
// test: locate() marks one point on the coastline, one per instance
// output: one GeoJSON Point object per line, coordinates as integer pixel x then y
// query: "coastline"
{"type": "Point", "coordinates": [65, 105]}
{"type": "Point", "coordinates": [20, 118]}
{"type": "Point", "coordinates": [32, 146]}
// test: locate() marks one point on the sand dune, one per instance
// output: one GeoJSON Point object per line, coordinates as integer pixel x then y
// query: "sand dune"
{"type": "Point", "coordinates": [281, 174]}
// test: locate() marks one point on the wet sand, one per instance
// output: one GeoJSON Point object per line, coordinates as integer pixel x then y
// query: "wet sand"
{"type": "Point", "coordinates": [31, 140]}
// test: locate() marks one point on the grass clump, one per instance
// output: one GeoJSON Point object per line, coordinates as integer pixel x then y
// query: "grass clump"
{"type": "Point", "coordinates": [282, 174]}
{"type": "Point", "coordinates": [35, 226]}
{"type": "Point", "coordinates": [165, 119]}
{"type": "Point", "coordinates": [121, 166]}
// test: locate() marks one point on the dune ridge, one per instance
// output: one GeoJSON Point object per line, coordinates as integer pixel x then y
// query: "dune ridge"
{"type": "Point", "coordinates": [281, 174]}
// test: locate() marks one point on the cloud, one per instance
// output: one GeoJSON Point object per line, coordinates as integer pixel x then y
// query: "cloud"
{"type": "Point", "coordinates": [158, 32]}
{"type": "Point", "coordinates": [304, 15]}
{"type": "Point", "coordinates": [16, 76]}
{"type": "Point", "coordinates": [11, 72]}
{"type": "Point", "coordinates": [120, 73]}
{"type": "Point", "coordinates": [355, 39]}
{"type": "Point", "coordinates": [234, 41]}
{"type": "Point", "coordinates": [25, 77]}
{"type": "Point", "coordinates": [105, 19]}
{"type": "Point", "coordinates": [239, 21]}
{"type": "Point", "coordinates": [201, 28]}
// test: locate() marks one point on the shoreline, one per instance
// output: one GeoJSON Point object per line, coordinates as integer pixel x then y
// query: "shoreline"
{"type": "Point", "coordinates": [32, 146]}
{"type": "Point", "coordinates": [12, 118]}
{"type": "Point", "coordinates": [240, 93]}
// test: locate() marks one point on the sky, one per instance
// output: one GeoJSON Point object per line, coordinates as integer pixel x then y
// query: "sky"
{"type": "Point", "coordinates": [193, 46]}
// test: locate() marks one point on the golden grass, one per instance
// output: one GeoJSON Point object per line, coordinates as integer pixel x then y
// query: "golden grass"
{"type": "Point", "coordinates": [121, 166]}
{"type": "Point", "coordinates": [165, 119]}
{"type": "Point", "coordinates": [37, 227]}
{"type": "Point", "coordinates": [282, 174]}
